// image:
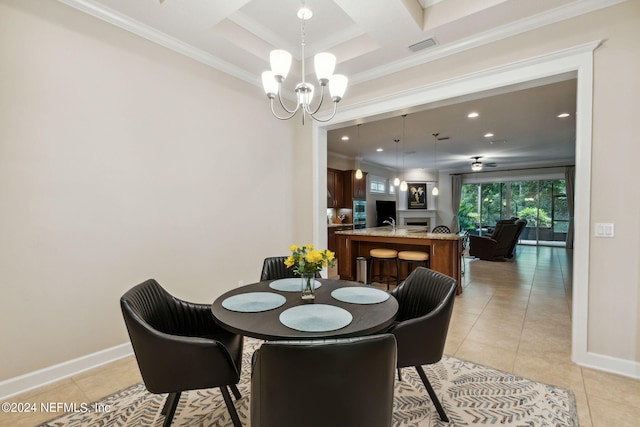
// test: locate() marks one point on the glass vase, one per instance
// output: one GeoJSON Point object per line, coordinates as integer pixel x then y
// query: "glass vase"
{"type": "Point", "coordinates": [308, 286]}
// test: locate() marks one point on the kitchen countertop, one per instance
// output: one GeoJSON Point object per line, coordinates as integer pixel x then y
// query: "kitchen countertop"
{"type": "Point", "coordinates": [405, 232]}
{"type": "Point", "coordinates": [339, 225]}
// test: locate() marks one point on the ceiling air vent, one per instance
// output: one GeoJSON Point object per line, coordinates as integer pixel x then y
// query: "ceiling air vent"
{"type": "Point", "coordinates": [423, 44]}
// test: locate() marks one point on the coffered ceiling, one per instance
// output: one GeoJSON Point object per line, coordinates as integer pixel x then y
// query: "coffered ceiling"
{"type": "Point", "coordinates": [373, 38]}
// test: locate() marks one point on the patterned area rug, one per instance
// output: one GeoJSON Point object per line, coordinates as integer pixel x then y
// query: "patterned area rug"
{"type": "Point", "coordinates": [471, 394]}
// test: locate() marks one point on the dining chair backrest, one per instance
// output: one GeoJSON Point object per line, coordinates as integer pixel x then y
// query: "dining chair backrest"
{"type": "Point", "coordinates": [443, 229]}
{"type": "Point", "coordinates": [425, 302]}
{"type": "Point", "coordinates": [319, 383]}
{"type": "Point", "coordinates": [273, 268]}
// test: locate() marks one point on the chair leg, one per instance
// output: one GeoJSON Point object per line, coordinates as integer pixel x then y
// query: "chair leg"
{"type": "Point", "coordinates": [236, 392]}
{"type": "Point", "coordinates": [169, 408]}
{"type": "Point", "coordinates": [230, 407]}
{"type": "Point", "coordinates": [432, 394]}
{"type": "Point", "coordinates": [399, 375]}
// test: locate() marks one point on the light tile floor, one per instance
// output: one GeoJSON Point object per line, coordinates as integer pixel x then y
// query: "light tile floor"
{"type": "Point", "coordinates": [513, 316]}
{"type": "Point", "coordinates": [516, 316]}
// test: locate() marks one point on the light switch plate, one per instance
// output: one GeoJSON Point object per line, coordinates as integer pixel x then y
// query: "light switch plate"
{"type": "Point", "coordinates": [604, 229]}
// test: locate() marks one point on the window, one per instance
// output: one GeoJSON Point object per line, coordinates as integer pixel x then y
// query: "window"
{"type": "Point", "coordinates": [543, 203]}
{"type": "Point", "coordinates": [377, 185]}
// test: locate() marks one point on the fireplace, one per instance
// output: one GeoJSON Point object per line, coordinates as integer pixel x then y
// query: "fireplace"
{"type": "Point", "coordinates": [414, 217]}
{"type": "Point", "coordinates": [417, 221]}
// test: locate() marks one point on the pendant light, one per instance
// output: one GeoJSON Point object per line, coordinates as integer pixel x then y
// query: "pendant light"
{"type": "Point", "coordinates": [358, 170]}
{"type": "Point", "coordinates": [435, 191]}
{"type": "Point", "coordinates": [403, 184]}
{"type": "Point", "coordinates": [396, 181]}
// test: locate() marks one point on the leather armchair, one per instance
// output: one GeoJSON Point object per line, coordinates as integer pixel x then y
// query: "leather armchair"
{"type": "Point", "coordinates": [345, 382]}
{"type": "Point", "coordinates": [425, 305]}
{"type": "Point", "coordinates": [497, 246]}
{"type": "Point", "coordinates": [521, 223]}
{"type": "Point", "coordinates": [273, 268]}
{"type": "Point", "coordinates": [179, 346]}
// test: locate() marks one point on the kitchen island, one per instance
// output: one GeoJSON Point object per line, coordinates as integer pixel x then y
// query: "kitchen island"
{"type": "Point", "coordinates": [444, 250]}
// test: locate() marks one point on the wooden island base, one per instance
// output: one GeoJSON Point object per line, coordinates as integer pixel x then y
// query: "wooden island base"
{"type": "Point", "coordinates": [444, 250]}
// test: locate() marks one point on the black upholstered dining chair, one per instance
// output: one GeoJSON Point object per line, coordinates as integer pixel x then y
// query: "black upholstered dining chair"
{"type": "Point", "coordinates": [273, 268]}
{"type": "Point", "coordinates": [180, 347]}
{"type": "Point", "coordinates": [425, 305]}
{"type": "Point", "coordinates": [319, 383]}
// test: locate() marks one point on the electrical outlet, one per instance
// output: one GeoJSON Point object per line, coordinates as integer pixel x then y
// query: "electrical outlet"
{"type": "Point", "coordinates": [604, 229]}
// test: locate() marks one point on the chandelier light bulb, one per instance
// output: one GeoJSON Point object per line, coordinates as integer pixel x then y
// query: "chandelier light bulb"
{"type": "Point", "coordinates": [435, 191]}
{"type": "Point", "coordinates": [403, 186]}
{"type": "Point", "coordinates": [280, 61]}
{"type": "Point", "coordinates": [324, 63]}
{"type": "Point", "coordinates": [305, 93]}
{"type": "Point", "coordinates": [269, 84]}
{"type": "Point", "coordinates": [338, 86]}
{"type": "Point", "coordinates": [359, 174]}
{"type": "Point", "coordinates": [396, 181]}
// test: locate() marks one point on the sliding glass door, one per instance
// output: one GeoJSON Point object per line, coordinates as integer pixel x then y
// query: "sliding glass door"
{"type": "Point", "coordinates": [543, 203]}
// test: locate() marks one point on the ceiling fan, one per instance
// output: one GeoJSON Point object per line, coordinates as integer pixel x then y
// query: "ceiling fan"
{"type": "Point", "coordinates": [477, 165]}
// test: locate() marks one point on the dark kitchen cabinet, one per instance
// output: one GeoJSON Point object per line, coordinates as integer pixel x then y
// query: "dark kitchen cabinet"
{"type": "Point", "coordinates": [331, 235]}
{"type": "Point", "coordinates": [354, 188]}
{"type": "Point", "coordinates": [335, 188]}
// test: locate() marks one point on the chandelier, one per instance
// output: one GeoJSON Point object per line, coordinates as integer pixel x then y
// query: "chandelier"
{"type": "Point", "coordinates": [324, 65]}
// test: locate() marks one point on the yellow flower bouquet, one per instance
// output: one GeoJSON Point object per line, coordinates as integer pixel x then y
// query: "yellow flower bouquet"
{"type": "Point", "coordinates": [307, 260]}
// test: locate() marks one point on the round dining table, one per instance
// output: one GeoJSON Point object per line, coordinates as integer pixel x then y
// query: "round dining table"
{"type": "Point", "coordinates": [275, 310]}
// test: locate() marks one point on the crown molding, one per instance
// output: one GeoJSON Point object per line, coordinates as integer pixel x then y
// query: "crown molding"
{"type": "Point", "coordinates": [126, 23]}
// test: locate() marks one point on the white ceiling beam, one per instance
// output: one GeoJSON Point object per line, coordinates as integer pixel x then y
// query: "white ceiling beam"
{"type": "Point", "coordinates": [378, 18]}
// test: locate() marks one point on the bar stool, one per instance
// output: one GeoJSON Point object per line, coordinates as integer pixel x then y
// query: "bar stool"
{"type": "Point", "coordinates": [384, 259]}
{"type": "Point", "coordinates": [412, 259]}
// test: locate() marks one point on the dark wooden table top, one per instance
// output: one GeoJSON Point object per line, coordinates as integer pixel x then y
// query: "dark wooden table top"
{"type": "Point", "coordinates": [367, 318]}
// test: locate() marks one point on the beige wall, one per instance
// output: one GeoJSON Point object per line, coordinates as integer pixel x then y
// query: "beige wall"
{"type": "Point", "coordinates": [119, 161]}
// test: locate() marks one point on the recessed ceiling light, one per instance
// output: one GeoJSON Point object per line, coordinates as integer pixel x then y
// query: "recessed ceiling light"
{"type": "Point", "coordinates": [473, 115]}
{"type": "Point", "coordinates": [563, 115]}
{"type": "Point", "coordinates": [345, 138]}
{"type": "Point", "coordinates": [488, 135]}
{"type": "Point", "coordinates": [379, 149]}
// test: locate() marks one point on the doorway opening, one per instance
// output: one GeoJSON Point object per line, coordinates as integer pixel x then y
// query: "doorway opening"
{"type": "Point", "coordinates": [577, 60]}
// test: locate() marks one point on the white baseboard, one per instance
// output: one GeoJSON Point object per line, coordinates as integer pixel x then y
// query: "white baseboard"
{"type": "Point", "coordinates": [627, 368]}
{"type": "Point", "coordinates": [32, 380]}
